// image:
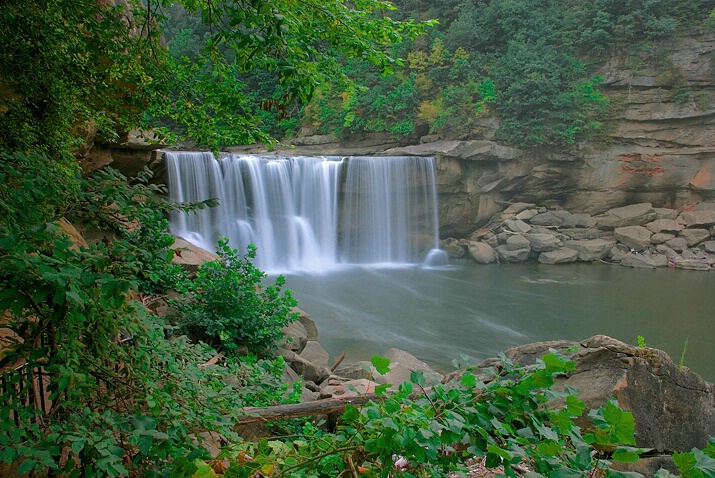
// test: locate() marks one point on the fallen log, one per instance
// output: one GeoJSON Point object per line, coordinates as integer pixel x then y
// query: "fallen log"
{"type": "Point", "coordinates": [297, 410]}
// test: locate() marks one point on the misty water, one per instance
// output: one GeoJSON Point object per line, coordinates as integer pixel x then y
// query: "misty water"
{"type": "Point", "coordinates": [438, 314]}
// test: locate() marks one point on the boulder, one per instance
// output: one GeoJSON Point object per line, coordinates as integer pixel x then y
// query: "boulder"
{"type": "Point", "coordinates": [678, 244]}
{"type": "Point", "coordinates": [508, 255]}
{"type": "Point", "coordinates": [559, 256]}
{"type": "Point", "coordinates": [705, 206]}
{"type": "Point", "coordinates": [295, 336]}
{"type": "Point", "coordinates": [517, 242]}
{"type": "Point", "coordinates": [338, 387]}
{"type": "Point", "coordinates": [581, 234]}
{"type": "Point", "coordinates": [633, 215]}
{"type": "Point", "coordinates": [709, 246]}
{"type": "Point", "coordinates": [190, 256]}
{"type": "Point", "coordinates": [618, 252]}
{"type": "Point", "coordinates": [693, 264]}
{"type": "Point", "coordinates": [308, 323]}
{"type": "Point", "coordinates": [693, 237]}
{"type": "Point", "coordinates": [526, 215]}
{"type": "Point", "coordinates": [638, 260]}
{"type": "Point", "coordinates": [636, 237]}
{"type": "Point", "coordinates": [661, 238]}
{"type": "Point", "coordinates": [555, 219]}
{"type": "Point", "coordinates": [664, 225]}
{"type": "Point", "coordinates": [357, 370]}
{"type": "Point", "coordinates": [660, 260]}
{"type": "Point", "coordinates": [402, 364]}
{"type": "Point", "coordinates": [482, 252]}
{"type": "Point", "coordinates": [73, 234]}
{"type": "Point", "coordinates": [583, 220]}
{"type": "Point", "coordinates": [662, 396]}
{"type": "Point", "coordinates": [665, 213]}
{"type": "Point", "coordinates": [313, 352]}
{"type": "Point", "coordinates": [519, 207]}
{"type": "Point", "coordinates": [698, 218]}
{"type": "Point", "coordinates": [518, 226]}
{"type": "Point", "coordinates": [667, 252]}
{"type": "Point", "coordinates": [591, 250]}
{"type": "Point", "coordinates": [453, 247]}
{"type": "Point", "coordinates": [543, 242]}
{"type": "Point", "coordinates": [308, 370]}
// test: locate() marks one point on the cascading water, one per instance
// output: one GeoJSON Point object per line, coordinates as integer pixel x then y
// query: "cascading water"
{"type": "Point", "coordinates": [310, 213]}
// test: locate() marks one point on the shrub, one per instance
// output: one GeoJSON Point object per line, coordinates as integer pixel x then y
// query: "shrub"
{"type": "Point", "coordinates": [225, 305]}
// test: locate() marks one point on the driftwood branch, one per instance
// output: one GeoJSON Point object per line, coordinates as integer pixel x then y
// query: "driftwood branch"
{"type": "Point", "coordinates": [317, 407]}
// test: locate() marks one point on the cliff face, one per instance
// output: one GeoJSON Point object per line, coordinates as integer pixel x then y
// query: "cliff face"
{"type": "Point", "coordinates": [659, 147]}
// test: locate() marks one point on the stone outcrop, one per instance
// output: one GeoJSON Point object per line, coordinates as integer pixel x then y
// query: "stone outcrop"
{"type": "Point", "coordinates": [662, 396]}
{"type": "Point", "coordinates": [624, 235]}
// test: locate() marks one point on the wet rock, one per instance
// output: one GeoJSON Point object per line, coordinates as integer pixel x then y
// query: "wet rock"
{"type": "Point", "coordinates": [559, 256]}
{"type": "Point", "coordinates": [482, 252]}
{"type": "Point", "coordinates": [633, 215]}
{"type": "Point", "coordinates": [664, 225]}
{"type": "Point", "coordinates": [638, 260]}
{"type": "Point", "coordinates": [698, 218]}
{"type": "Point", "coordinates": [636, 237]}
{"type": "Point", "coordinates": [591, 250]}
{"type": "Point", "coordinates": [693, 237]}
{"type": "Point", "coordinates": [693, 264]}
{"type": "Point", "coordinates": [543, 242]}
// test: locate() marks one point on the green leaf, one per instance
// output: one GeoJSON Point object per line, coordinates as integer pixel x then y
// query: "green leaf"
{"type": "Point", "coordinates": [469, 380]}
{"type": "Point", "coordinates": [704, 463]}
{"type": "Point", "coordinates": [685, 462]}
{"type": "Point", "coordinates": [548, 448]}
{"type": "Point", "coordinates": [626, 454]}
{"type": "Point", "coordinates": [26, 466]}
{"type": "Point", "coordinates": [381, 389]}
{"type": "Point", "coordinates": [381, 364]}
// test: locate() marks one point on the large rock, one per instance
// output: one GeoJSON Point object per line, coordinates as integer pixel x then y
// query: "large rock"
{"type": "Point", "coordinates": [693, 237]}
{"type": "Point", "coordinates": [482, 252]}
{"type": "Point", "coordinates": [638, 261]}
{"type": "Point", "coordinates": [661, 238]}
{"type": "Point", "coordinates": [636, 237]}
{"type": "Point", "coordinates": [692, 264]}
{"type": "Point", "coordinates": [517, 242]}
{"type": "Point", "coordinates": [559, 256]}
{"type": "Point", "coordinates": [313, 352]}
{"type": "Point", "coordinates": [190, 256]}
{"type": "Point", "coordinates": [555, 219]}
{"type": "Point", "coordinates": [308, 370]}
{"type": "Point", "coordinates": [633, 215]}
{"type": "Point", "coordinates": [543, 242]}
{"type": "Point", "coordinates": [674, 408]}
{"type": "Point", "coordinates": [513, 255]}
{"type": "Point", "coordinates": [453, 247]}
{"type": "Point", "coordinates": [664, 225]}
{"type": "Point", "coordinates": [698, 218]}
{"type": "Point", "coordinates": [402, 364]}
{"type": "Point", "coordinates": [678, 244]}
{"type": "Point", "coordinates": [591, 250]}
{"type": "Point", "coordinates": [518, 226]}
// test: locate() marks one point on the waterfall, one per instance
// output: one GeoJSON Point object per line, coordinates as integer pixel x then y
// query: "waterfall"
{"type": "Point", "coordinates": [310, 213]}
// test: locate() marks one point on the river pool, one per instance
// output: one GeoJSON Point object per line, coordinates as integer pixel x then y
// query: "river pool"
{"type": "Point", "coordinates": [479, 310]}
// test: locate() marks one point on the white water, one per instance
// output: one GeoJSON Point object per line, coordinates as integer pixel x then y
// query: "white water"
{"type": "Point", "coordinates": [310, 213]}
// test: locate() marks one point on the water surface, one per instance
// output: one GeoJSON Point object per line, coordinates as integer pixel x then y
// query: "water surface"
{"type": "Point", "coordinates": [438, 314]}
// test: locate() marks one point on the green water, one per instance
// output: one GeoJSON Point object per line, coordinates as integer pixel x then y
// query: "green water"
{"type": "Point", "coordinates": [438, 314]}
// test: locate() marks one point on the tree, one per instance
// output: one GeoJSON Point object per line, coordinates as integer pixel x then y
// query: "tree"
{"type": "Point", "coordinates": [65, 65]}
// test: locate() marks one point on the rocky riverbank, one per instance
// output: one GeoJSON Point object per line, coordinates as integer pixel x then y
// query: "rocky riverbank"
{"type": "Point", "coordinates": [673, 407]}
{"type": "Point", "coordinates": [638, 235]}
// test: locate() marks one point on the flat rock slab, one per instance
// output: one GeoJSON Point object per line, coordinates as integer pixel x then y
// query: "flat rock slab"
{"type": "Point", "coordinates": [633, 215]}
{"type": "Point", "coordinates": [559, 256]}
{"type": "Point", "coordinates": [636, 237]}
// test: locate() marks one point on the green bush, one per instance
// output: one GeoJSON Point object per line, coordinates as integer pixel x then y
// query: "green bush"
{"type": "Point", "coordinates": [227, 306]}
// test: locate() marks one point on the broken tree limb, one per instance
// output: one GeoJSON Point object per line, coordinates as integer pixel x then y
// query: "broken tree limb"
{"type": "Point", "coordinates": [297, 410]}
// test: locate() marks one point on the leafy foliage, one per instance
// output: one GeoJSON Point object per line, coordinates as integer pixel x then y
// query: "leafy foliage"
{"type": "Point", "coordinates": [226, 305]}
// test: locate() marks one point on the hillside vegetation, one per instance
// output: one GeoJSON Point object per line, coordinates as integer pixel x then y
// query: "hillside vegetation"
{"type": "Point", "coordinates": [530, 63]}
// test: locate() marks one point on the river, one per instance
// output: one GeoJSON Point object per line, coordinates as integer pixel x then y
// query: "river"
{"type": "Point", "coordinates": [441, 313]}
